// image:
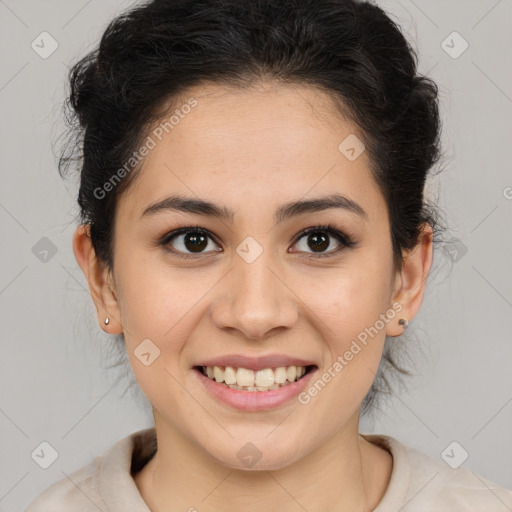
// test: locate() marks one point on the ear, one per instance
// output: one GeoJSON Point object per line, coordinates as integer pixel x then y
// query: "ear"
{"type": "Point", "coordinates": [100, 281]}
{"type": "Point", "coordinates": [410, 281]}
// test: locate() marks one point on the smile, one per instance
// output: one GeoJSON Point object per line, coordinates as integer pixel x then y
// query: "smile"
{"type": "Point", "coordinates": [253, 390]}
{"type": "Point", "coordinates": [246, 379]}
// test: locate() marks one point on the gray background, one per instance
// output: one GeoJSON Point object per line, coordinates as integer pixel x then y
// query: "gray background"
{"type": "Point", "coordinates": [54, 385]}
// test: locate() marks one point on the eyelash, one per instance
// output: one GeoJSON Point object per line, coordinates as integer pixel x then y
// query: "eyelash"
{"type": "Point", "coordinates": [344, 240]}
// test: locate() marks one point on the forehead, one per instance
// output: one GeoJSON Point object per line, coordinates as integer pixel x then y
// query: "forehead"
{"type": "Point", "coordinates": [251, 148]}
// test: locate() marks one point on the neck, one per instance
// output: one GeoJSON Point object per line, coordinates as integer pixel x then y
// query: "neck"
{"type": "Point", "coordinates": [345, 473]}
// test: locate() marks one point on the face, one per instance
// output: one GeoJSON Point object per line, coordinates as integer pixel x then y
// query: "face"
{"type": "Point", "coordinates": [253, 284]}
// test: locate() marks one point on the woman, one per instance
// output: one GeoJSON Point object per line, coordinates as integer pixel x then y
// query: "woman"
{"type": "Point", "coordinates": [254, 230]}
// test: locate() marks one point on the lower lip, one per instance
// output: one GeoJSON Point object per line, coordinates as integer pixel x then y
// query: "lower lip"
{"type": "Point", "coordinates": [254, 400]}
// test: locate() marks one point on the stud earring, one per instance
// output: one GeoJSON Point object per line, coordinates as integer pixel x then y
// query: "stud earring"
{"type": "Point", "coordinates": [403, 322]}
{"type": "Point", "coordinates": [107, 321]}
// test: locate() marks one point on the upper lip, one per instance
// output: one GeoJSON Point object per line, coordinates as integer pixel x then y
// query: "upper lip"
{"type": "Point", "coordinates": [256, 363]}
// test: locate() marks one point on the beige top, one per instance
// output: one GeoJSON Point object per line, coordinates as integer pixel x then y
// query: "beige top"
{"type": "Point", "coordinates": [418, 482]}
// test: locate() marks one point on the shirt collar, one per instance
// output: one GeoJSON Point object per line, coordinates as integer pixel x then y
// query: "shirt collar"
{"type": "Point", "coordinates": [117, 486]}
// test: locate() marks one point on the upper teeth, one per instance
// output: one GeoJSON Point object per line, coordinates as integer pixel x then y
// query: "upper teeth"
{"type": "Point", "coordinates": [261, 378]}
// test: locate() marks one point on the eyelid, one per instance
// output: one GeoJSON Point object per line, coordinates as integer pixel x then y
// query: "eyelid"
{"type": "Point", "coordinates": [166, 239]}
{"type": "Point", "coordinates": [343, 239]}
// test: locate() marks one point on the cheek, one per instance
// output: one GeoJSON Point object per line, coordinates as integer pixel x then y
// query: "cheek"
{"type": "Point", "coordinates": [353, 308]}
{"type": "Point", "coordinates": [165, 306]}
{"type": "Point", "coordinates": [154, 298]}
{"type": "Point", "coordinates": [350, 297]}
{"type": "Point", "coordinates": [353, 336]}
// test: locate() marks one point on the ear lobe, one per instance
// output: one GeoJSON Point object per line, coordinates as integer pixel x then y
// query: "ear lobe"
{"type": "Point", "coordinates": [412, 279]}
{"type": "Point", "coordinates": [99, 279]}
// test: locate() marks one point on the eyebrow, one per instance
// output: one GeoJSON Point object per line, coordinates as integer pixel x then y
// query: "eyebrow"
{"type": "Point", "coordinates": [284, 212]}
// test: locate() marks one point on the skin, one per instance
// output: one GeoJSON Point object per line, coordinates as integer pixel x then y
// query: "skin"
{"type": "Point", "coordinates": [253, 150]}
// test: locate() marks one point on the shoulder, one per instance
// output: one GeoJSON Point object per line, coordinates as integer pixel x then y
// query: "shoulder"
{"type": "Point", "coordinates": [75, 492]}
{"type": "Point", "coordinates": [458, 487]}
{"type": "Point", "coordinates": [104, 484]}
{"type": "Point", "coordinates": [420, 483]}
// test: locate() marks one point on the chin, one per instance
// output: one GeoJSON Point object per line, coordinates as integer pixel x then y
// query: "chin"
{"type": "Point", "coordinates": [259, 455]}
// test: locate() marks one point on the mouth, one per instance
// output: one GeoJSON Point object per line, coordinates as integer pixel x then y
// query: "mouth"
{"type": "Point", "coordinates": [263, 380]}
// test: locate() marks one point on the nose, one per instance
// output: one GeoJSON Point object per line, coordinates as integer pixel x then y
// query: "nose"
{"type": "Point", "coordinates": [254, 300]}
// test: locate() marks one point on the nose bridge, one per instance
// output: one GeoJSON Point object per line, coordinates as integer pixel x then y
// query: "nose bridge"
{"type": "Point", "coordinates": [257, 283]}
{"type": "Point", "coordinates": [254, 298]}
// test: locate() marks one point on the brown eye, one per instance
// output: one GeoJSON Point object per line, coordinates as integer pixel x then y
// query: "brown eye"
{"type": "Point", "coordinates": [319, 238]}
{"type": "Point", "coordinates": [195, 242]}
{"type": "Point", "coordinates": [318, 241]}
{"type": "Point", "coordinates": [190, 240]}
